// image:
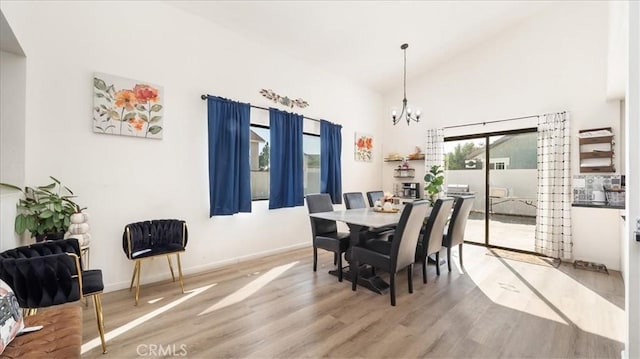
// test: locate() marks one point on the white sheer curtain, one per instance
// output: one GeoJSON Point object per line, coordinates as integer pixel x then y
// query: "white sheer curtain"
{"type": "Point", "coordinates": [553, 220]}
{"type": "Point", "coordinates": [434, 149]}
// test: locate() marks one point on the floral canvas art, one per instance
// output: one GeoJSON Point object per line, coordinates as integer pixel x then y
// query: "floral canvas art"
{"type": "Point", "coordinates": [363, 147]}
{"type": "Point", "coordinates": [127, 107]}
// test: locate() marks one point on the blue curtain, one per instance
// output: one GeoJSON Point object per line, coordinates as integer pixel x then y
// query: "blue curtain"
{"type": "Point", "coordinates": [286, 187]}
{"type": "Point", "coordinates": [330, 163]}
{"type": "Point", "coordinates": [229, 176]}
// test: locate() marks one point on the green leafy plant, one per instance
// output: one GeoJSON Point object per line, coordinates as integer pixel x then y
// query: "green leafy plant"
{"type": "Point", "coordinates": [433, 179]}
{"type": "Point", "coordinates": [44, 209]}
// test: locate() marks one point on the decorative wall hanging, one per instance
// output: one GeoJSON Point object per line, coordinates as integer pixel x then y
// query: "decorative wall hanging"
{"type": "Point", "coordinates": [363, 147]}
{"type": "Point", "coordinates": [127, 107]}
{"type": "Point", "coordinates": [283, 100]}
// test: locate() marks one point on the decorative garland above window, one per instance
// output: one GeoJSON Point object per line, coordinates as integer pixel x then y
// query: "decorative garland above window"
{"type": "Point", "coordinates": [283, 100]}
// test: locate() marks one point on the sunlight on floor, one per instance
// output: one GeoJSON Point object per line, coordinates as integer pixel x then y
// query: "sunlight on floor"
{"type": "Point", "coordinates": [249, 289]}
{"type": "Point", "coordinates": [548, 293]}
{"type": "Point", "coordinates": [153, 301]}
{"type": "Point", "coordinates": [136, 322]}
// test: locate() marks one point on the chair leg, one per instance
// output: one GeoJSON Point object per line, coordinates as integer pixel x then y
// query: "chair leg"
{"type": "Point", "coordinates": [424, 270]}
{"type": "Point", "coordinates": [438, 262]}
{"type": "Point", "coordinates": [339, 267]}
{"type": "Point", "coordinates": [335, 258]}
{"type": "Point", "coordinates": [173, 277]}
{"type": "Point", "coordinates": [139, 262]}
{"type": "Point", "coordinates": [180, 273]}
{"type": "Point", "coordinates": [135, 270]}
{"type": "Point", "coordinates": [410, 277]}
{"type": "Point", "coordinates": [315, 258]}
{"type": "Point", "coordinates": [97, 305]}
{"type": "Point", "coordinates": [449, 258]}
{"type": "Point", "coordinates": [354, 274]}
{"type": "Point", "coordinates": [27, 312]}
{"type": "Point", "coordinates": [460, 254]}
{"type": "Point", "coordinates": [392, 288]}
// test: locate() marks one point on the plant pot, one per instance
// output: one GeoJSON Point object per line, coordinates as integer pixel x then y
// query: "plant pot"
{"type": "Point", "coordinates": [52, 236]}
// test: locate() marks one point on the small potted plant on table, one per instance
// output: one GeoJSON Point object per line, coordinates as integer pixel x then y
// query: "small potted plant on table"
{"type": "Point", "coordinates": [45, 211]}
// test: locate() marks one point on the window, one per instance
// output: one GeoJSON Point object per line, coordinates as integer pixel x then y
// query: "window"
{"type": "Point", "coordinates": [311, 149]}
{"type": "Point", "coordinates": [259, 156]}
{"type": "Point", "coordinates": [498, 163]}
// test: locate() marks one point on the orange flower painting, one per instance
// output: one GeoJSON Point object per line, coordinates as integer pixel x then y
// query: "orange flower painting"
{"type": "Point", "coordinates": [363, 147]}
{"type": "Point", "coordinates": [127, 107]}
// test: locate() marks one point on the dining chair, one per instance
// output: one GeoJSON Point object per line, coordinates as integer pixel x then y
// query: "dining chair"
{"type": "Point", "coordinates": [374, 196]}
{"type": "Point", "coordinates": [454, 234]}
{"type": "Point", "coordinates": [356, 200]}
{"type": "Point", "coordinates": [430, 241]}
{"type": "Point", "coordinates": [397, 254]}
{"type": "Point", "coordinates": [325, 233]}
{"type": "Point", "coordinates": [50, 273]}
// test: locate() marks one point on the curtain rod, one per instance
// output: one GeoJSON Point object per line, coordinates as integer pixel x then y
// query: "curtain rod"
{"type": "Point", "coordinates": [204, 97]}
{"type": "Point", "coordinates": [504, 120]}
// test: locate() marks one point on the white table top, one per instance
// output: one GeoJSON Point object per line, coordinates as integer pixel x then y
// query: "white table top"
{"type": "Point", "coordinates": [361, 216]}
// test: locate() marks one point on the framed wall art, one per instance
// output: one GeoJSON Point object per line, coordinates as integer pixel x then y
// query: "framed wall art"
{"type": "Point", "coordinates": [127, 107]}
{"type": "Point", "coordinates": [363, 147]}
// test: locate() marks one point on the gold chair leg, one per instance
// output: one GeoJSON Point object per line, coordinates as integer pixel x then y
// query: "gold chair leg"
{"type": "Point", "coordinates": [173, 277]}
{"type": "Point", "coordinates": [180, 272]}
{"type": "Point", "coordinates": [135, 270]}
{"type": "Point", "coordinates": [97, 304]}
{"type": "Point", "coordinates": [138, 281]}
{"type": "Point", "coordinates": [27, 312]}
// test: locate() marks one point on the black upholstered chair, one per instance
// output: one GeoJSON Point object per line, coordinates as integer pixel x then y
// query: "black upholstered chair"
{"type": "Point", "coordinates": [374, 196]}
{"type": "Point", "coordinates": [148, 239]}
{"type": "Point", "coordinates": [430, 241]}
{"type": "Point", "coordinates": [457, 225]}
{"type": "Point", "coordinates": [356, 200]}
{"type": "Point", "coordinates": [325, 233]}
{"type": "Point", "coordinates": [397, 254]}
{"type": "Point", "coordinates": [50, 273]}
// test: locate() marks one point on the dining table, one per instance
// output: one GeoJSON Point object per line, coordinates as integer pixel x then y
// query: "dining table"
{"type": "Point", "coordinates": [360, 220]}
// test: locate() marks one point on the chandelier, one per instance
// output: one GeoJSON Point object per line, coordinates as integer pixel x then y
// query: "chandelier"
{"type": "Point", "coordinates": [406, 110]}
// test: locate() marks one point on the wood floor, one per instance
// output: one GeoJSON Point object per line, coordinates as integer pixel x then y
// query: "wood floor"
{"type": "Point", "coordinates": [497, 308]}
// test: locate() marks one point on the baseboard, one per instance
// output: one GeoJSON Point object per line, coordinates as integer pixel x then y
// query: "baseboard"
{"type": "Point", "coordinates": [164, 275]}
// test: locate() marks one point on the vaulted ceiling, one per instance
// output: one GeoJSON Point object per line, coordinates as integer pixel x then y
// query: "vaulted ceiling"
{"type": "Point", "coordinates": [361, 39]}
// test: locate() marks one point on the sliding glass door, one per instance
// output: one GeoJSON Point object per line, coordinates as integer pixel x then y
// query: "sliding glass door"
{"type": "Point", "coordinates": [500, 169]}
{"type": "Point", "coordinates": [512, 190]}
{"type": "Point", "coordinates": [464, 175]}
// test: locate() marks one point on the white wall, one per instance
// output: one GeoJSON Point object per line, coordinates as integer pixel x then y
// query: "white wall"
{"type": "Point", "coordinates": [632, 247]}
{"type": "Point", "coordinates": [554, 61]}
{"type": "Point", "coordinates": [122, 179]}
{"type": "Point", "coordinates": [12, 112]}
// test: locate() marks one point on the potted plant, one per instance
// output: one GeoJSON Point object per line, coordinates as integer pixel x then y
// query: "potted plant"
{"type": "Point", "coordinates": [45, 211]}
{"type": "Point", "coordinates": [433, 179]}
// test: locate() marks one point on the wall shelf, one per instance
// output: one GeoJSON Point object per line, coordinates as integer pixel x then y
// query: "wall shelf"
{"type": "Point", "coordinates": [400, 160]}
{"type": "Point", "coordinates": [596, 153]}
{"type": "Point", "coordinates": [404, 172]}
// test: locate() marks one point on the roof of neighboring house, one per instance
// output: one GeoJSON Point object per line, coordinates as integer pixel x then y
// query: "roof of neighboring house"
{"type": "Point", "coordinates": [495, 144]}
{"type": "Point", "coordinates": [255, 137]}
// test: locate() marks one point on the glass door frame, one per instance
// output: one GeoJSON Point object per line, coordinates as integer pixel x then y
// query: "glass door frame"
{"type": "Point", "coordinates": [486, 136]}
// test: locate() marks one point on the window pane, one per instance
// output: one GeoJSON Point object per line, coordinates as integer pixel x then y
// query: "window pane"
{"type": "Point", "coordinates": [311, 149]}
{"type": "Point", "coordinates": [259, 155]}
